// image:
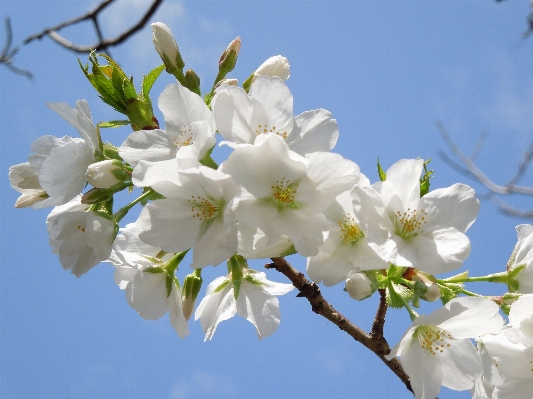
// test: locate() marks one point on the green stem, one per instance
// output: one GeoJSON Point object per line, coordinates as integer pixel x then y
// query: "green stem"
{"type": "Point", "coordinates": [491, 278]}
{"type": "Point", "coordinates": [124, 210]}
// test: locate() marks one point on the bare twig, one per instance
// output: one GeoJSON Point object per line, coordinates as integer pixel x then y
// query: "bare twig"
{"type": "Point", "coordinates": [468, 168]}
{"type": "Point", "coordinates": [6, 57]}
{"type": "Point", "coordinates": [375, 341]}
{"type": "Point", "coordinates": [102, 44]}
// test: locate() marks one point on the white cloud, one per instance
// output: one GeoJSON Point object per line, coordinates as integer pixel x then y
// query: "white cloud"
{"type": "Point", "coordinates": [203, 384]}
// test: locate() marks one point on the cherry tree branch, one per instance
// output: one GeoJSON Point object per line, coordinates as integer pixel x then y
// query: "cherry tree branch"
{"type": "Point", "coordinates": [8, 53]}
{"type": "Point", "coordinates": [374, 341]}
{"type": "Point", "coordinates": [468, 168]}
{"type": "Point", "coordinates": [102, 44]}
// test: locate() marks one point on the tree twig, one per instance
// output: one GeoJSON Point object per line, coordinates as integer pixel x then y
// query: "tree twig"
{"type": "Point", "coordinates": [375, 342]}
{"type": "Point", "coordinates": [6, 57]}
{"type": "Point", "coordinates": [468, 168]}
{"type": "Point", "coordinates": [102, 44]}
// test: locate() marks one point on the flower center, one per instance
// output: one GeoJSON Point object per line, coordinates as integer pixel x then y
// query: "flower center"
{"type": "Point", "coordinates": [205, 209]}
{"type": "Point", "coordinates": [269, 129]}
{"type": "Point", "coordinates": [350, 230]}
{"type": "Point", "coordinates": [433, 338]}
{"type": "Point", "coordinates": [81, 228]}
{"type": "Point", "coordinates": [184, 139]}
{"type": "Point", "coordinates": [284, 192]}
{"type": "Point", "coordinates": [410, 222]}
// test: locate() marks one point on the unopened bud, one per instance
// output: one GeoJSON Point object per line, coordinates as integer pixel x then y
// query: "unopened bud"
{"type": "Point", "coordinates": [192, 82]}
{"type": "Point", "coordinates": [167, 48]}
{"type": "Point", "coordinates": [274, 66]}
{"type": "Point", "coordinates": [96, 195]}
{"type": "Point", "coordinates": [189, 293]}
{"type": "Point", "coordinates": [228, 59]}
{"type": "Point", "coordinates": [359, 286]}
{"type": "Point", "coordinates": [106, 174]}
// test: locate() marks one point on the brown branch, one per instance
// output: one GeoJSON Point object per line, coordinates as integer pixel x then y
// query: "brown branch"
{"type": "Point", "coordinates": [469, 169]}
{"type": "Point", "coordinates": [375, 341]}
{"type": "Point", "coordinates": [6, 57]}
{"type": "Point", "coordinates": [379, 319]}
{"type": "Point", "coordinates": [102, 44]}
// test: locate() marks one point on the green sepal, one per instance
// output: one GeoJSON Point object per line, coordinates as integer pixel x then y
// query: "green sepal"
{"type": "Point", "coordinates": [512, 282]}
{"type": "Point", "coordinates": [115, 123]}
{"type": "Point", "coordinates": [192, 285]}
{"type": "Point", "coordinates": [169, 281]}
{"type": "Point", "coordinates": [235, 265]}
{"type": "Point", "coordinates": [154, 270]}
{"type": "Point", "coordinates": [223, 285]}
{"type": "Point", "coordinates": [288, 252]}
{"type": "Point", "coordinates": [148, 81]}
{"type": "Point", "coordinates": [449, 291]}
{"type": "Point", "coordinates": [152, 197]}
{"type": "Point", "coordinates": [247, 83]}
{"type": "Point", "coordinates": [424, 180]}
{"type": "Point", "coordinates": [96, 195]}
{"type": "Point", "coordinates": [111, 152]}
{"type": "Point", "coordinates": [208, 161]}
{"type": "Point", "coordinates": [176, 68]}
{"type": "Point", "coordinates": [507, 300]}
{"type": "Point", "coordinates": [250, 278]}
{"type": "Point", "coordinates": [381, 173]}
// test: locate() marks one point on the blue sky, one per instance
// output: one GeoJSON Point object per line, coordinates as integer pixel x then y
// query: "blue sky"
{"type": "Point", "coordinates": [387, 70]}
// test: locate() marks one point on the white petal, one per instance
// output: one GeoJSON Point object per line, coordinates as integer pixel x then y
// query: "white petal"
{"type": "Point", "coordinates": [177, 319]}
{"type": "Point", "coordinates": [147, 293]}
{"type": "Point", "coordinates": [313, 131]}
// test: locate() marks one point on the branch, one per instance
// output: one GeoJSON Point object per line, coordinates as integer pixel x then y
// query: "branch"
{"type": "Point", "coordinates": [102, 43]}
{"type": "Point", "coordinates": [470, 170]}
{"type": "Point", "coordinates": [6, 57]}
{"type": "Point", "coordinates": [375, 341]}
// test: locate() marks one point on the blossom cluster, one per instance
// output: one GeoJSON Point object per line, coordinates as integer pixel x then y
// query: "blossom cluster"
{"type": "Point", "coordinates": [280, 191]}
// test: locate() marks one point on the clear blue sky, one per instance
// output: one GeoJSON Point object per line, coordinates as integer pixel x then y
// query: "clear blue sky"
{"type": "Point", "coordinates": [387, 70]}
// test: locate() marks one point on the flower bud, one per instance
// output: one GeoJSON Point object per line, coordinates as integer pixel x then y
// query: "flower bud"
{"type": "Point", "coordinates": [228, 59]}
{"type": "Point", "coordinates": [106, 174]}
{"type": "Point", "coordinates": [95, 195]}
{"type": "Point", "coordinates": [427, 290]}
{"type": "Point", "coordinates": [192, 82]}
{"type": "Point", "coordinates": [167, 47]}
{"type": "Point", "coordinates": [359, 286]}
{"type": "Point", "coordinates": [189, 293]}
{"type": "Point", "coordinates": [274, 66]}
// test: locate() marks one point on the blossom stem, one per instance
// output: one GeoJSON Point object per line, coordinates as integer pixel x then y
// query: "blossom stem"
{"type": "Point", "coordinates": [124, 210]}
{"type": "Point", "coordinates": [491, 278]}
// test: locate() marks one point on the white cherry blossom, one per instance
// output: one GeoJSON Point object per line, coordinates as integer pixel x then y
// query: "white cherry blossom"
{"type": "Point", "coordinates": [268, 109]}
{"type": "Point", "coordinates": [523, 256]}
{"type": "Point", "coordinates": [188, 122]}
{"type": "Point", "coordinates": [198, 212]}
{"type": "Point", "coordinates": [81, 239]}
{"type": "Point", "coordinates": [356, 239]}
{"type": "Point", "coordinates": [428, 232]}
{"type": "Point", "coordinates": [146, 292]}
{"type": "Point", "coordinates": [284, 193]}
{"type": "Point", "coordinates": [256, 302]}
{"type": "Point", "coordinates": [436, 350]}
{"type": "Point", "coordinates": [60, 164]}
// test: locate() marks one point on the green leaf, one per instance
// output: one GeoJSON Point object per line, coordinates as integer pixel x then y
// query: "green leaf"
{"type": "Point", "coordinates": [397, 295]}
{"type": "Point", "coordinates": [149, 80]}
